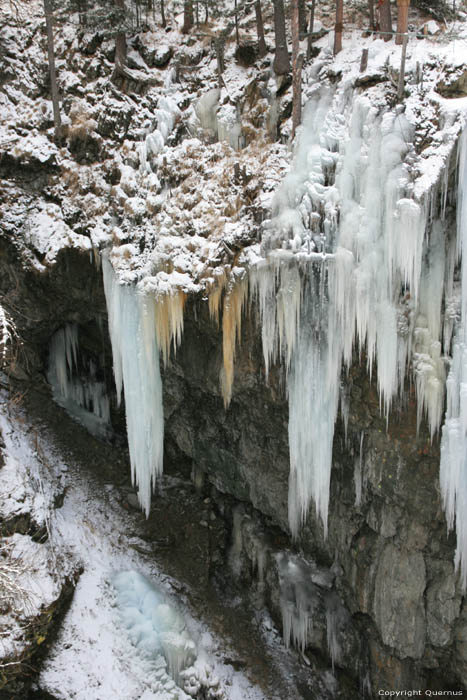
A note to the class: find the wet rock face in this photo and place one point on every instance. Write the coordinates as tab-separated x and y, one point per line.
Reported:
388	561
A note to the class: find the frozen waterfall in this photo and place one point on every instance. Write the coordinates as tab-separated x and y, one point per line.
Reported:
362	264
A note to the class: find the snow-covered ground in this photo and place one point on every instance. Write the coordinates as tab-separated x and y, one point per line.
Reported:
126	617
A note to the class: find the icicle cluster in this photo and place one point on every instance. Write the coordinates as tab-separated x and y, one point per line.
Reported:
82	396
453	466
132	328
143	322
343	270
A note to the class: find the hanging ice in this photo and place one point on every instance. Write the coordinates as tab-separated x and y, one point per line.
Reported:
132	328
349	232
75	387
453	466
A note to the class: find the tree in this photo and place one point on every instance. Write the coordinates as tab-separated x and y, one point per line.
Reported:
309	43
371	12
302	18
188	17
52	71
281	64
402	19
385	19
297	63
338	26
262	48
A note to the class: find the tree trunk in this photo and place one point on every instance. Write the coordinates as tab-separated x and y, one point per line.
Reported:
163	21
281	63
262	48
310	31
237	37
402	19
206	12
338	26
188	18
302	18
385	19
371	12
220	46
52	71
297	62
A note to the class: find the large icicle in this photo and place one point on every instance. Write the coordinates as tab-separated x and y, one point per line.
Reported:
453	465
132	328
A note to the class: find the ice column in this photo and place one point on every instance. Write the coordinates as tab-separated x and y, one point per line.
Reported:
453	465
132	328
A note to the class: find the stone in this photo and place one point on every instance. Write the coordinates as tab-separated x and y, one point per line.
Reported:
398	601
443	605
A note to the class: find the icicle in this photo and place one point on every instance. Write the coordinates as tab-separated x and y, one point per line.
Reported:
234	301
132	328
168	310
215	294
313	386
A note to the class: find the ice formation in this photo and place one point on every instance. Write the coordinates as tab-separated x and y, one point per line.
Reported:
78	391
358	262
154	627
165	115
135	350
223	122
453	465
298	599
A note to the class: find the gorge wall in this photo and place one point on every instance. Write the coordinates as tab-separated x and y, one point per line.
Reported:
379	597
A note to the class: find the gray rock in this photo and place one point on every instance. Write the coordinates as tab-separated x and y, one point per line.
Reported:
443	606
398	603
